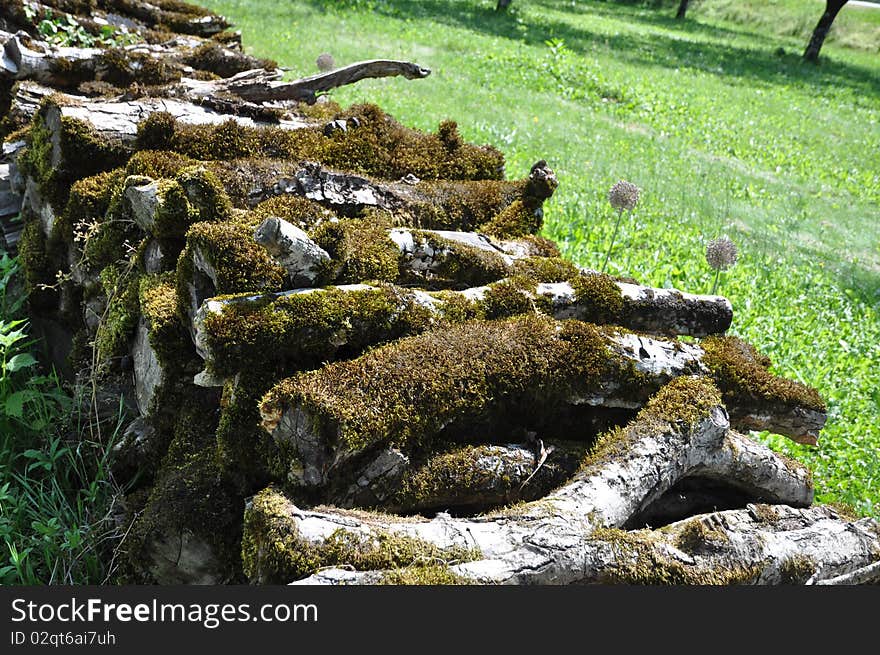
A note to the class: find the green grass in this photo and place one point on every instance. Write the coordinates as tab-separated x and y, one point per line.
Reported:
57	493
855	26
725	134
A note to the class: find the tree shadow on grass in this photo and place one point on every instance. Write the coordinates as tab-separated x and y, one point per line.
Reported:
671	49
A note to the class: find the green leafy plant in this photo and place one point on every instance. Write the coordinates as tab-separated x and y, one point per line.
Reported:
66	30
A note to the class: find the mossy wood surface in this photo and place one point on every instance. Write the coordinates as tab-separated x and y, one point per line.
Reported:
347	353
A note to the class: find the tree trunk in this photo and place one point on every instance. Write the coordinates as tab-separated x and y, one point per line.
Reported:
682	9
576	534
673	313
258	89
469	478
832	8
310	415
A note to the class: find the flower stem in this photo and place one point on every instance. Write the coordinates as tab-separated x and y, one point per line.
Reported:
715	286
613	237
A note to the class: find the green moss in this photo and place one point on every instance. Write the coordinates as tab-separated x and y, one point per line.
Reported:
406	392
240	264
121	287
359	251
546	269
517	219
32	255
423	575
274	552
302	212
639	562
679	406
459	476
299	331
456	308
466	206
157	163
599	297
372	143
195	195
797	569
89	201
745	379
83	153
508	298
244	451
190	493
112	237
168	337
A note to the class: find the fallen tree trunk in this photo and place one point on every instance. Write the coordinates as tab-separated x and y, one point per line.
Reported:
572	535
326	418
258	88
263	318
505	209
65	67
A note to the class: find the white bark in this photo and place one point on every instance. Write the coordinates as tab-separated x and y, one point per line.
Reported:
563	538
553	540
292	249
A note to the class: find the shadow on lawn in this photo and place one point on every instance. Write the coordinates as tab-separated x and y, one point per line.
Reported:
708	53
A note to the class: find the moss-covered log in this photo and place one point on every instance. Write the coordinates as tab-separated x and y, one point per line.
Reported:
360	139
154	65
290	318
411	391
504	209
464	478
562	538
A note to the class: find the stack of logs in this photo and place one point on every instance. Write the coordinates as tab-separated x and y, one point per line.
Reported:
347	356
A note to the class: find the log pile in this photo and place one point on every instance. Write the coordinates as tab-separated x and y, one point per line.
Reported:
348	356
